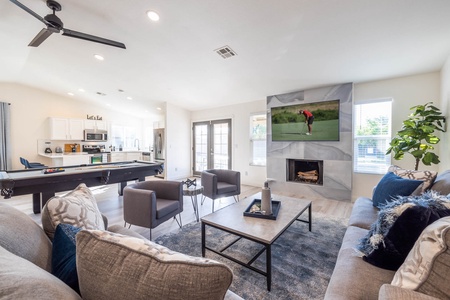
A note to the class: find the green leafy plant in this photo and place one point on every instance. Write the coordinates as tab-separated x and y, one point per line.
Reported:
417	135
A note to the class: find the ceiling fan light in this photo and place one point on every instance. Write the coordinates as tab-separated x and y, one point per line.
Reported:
153	15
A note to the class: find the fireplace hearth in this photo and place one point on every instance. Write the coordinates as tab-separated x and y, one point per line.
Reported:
304	171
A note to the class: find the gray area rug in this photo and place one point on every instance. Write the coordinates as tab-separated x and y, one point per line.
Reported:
302	261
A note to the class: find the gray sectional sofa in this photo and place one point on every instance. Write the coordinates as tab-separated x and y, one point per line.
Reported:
113	264
353	278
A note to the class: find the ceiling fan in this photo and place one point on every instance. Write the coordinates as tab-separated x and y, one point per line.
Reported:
55	25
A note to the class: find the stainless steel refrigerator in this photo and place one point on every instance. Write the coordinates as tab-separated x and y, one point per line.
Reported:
159	148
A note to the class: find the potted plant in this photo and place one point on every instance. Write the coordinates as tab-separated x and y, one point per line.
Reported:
417	135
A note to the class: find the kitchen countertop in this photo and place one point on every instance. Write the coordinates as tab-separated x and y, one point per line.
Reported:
60	155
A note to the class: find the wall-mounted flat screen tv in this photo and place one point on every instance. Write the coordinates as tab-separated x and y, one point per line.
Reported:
317	121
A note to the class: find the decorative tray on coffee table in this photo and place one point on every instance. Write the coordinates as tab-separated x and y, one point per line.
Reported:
254	210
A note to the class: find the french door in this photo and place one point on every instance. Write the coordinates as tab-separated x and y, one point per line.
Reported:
212	145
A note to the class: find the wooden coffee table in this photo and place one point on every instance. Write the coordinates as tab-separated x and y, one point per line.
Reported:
262	231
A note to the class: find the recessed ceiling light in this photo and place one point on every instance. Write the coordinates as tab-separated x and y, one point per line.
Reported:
70	94
107	104
158	108
81	90
153	16
129	98
99	57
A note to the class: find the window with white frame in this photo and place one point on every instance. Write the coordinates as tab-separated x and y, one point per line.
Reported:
258	139
372	135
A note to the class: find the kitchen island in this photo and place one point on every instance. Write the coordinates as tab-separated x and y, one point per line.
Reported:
43	185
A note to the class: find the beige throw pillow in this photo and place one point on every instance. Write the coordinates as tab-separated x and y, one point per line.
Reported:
114	266
426	268
427	177
77	208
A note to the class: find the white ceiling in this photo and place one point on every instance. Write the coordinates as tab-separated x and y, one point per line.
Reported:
282	46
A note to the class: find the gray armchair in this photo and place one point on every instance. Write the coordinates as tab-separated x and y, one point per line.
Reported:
221	183
150	203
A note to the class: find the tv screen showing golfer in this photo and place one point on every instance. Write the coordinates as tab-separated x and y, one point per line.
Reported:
317	121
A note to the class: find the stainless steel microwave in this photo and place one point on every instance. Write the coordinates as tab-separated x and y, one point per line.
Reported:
91	135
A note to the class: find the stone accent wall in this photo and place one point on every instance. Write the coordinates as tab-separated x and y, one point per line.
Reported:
337	156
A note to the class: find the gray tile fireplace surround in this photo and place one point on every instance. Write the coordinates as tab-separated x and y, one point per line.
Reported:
337	156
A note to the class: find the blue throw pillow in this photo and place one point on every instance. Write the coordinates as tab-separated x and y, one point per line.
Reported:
391	186
64	255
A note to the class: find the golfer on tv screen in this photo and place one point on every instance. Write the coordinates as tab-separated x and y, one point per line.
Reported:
309	119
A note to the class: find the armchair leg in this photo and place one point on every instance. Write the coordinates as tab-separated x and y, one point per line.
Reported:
180	223
150	234
125	225
212	205
236	198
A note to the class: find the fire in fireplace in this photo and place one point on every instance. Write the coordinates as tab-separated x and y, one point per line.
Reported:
305	171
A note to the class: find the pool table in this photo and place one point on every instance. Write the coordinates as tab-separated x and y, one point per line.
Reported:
44	185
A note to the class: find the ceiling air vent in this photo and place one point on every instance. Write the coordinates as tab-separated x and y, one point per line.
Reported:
226	52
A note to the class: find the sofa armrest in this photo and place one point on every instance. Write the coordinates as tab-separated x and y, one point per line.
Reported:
390	292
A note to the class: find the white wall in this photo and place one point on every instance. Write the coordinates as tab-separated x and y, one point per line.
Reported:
406	92
30	108
240	115
445	105
178	140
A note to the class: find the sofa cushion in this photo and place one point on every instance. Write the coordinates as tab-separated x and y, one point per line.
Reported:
363	213
77	208
388	291
21	279
113	266
442	183
426	176
20	235
391	253
64	255
427	269
352	277
391	186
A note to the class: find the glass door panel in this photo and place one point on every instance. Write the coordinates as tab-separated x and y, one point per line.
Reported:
212	145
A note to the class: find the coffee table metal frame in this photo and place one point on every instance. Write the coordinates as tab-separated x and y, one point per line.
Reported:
267	245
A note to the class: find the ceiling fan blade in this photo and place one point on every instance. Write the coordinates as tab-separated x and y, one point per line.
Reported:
42	36
29	11
92	38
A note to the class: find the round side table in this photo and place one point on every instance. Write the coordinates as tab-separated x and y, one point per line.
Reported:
193	191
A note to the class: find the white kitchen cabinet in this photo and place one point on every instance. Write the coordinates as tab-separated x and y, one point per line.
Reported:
118	156
75	159
66	129
133	156
95	124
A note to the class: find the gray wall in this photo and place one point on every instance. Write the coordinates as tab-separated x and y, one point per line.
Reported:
337	156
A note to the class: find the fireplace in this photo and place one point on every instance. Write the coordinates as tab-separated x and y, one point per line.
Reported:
304	171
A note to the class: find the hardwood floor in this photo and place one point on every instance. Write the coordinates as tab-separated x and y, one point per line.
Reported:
110	204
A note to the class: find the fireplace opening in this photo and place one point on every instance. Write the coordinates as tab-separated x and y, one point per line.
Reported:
305	171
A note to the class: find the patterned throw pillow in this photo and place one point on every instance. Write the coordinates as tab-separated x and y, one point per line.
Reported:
141	269
426	267
427	177
77	208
